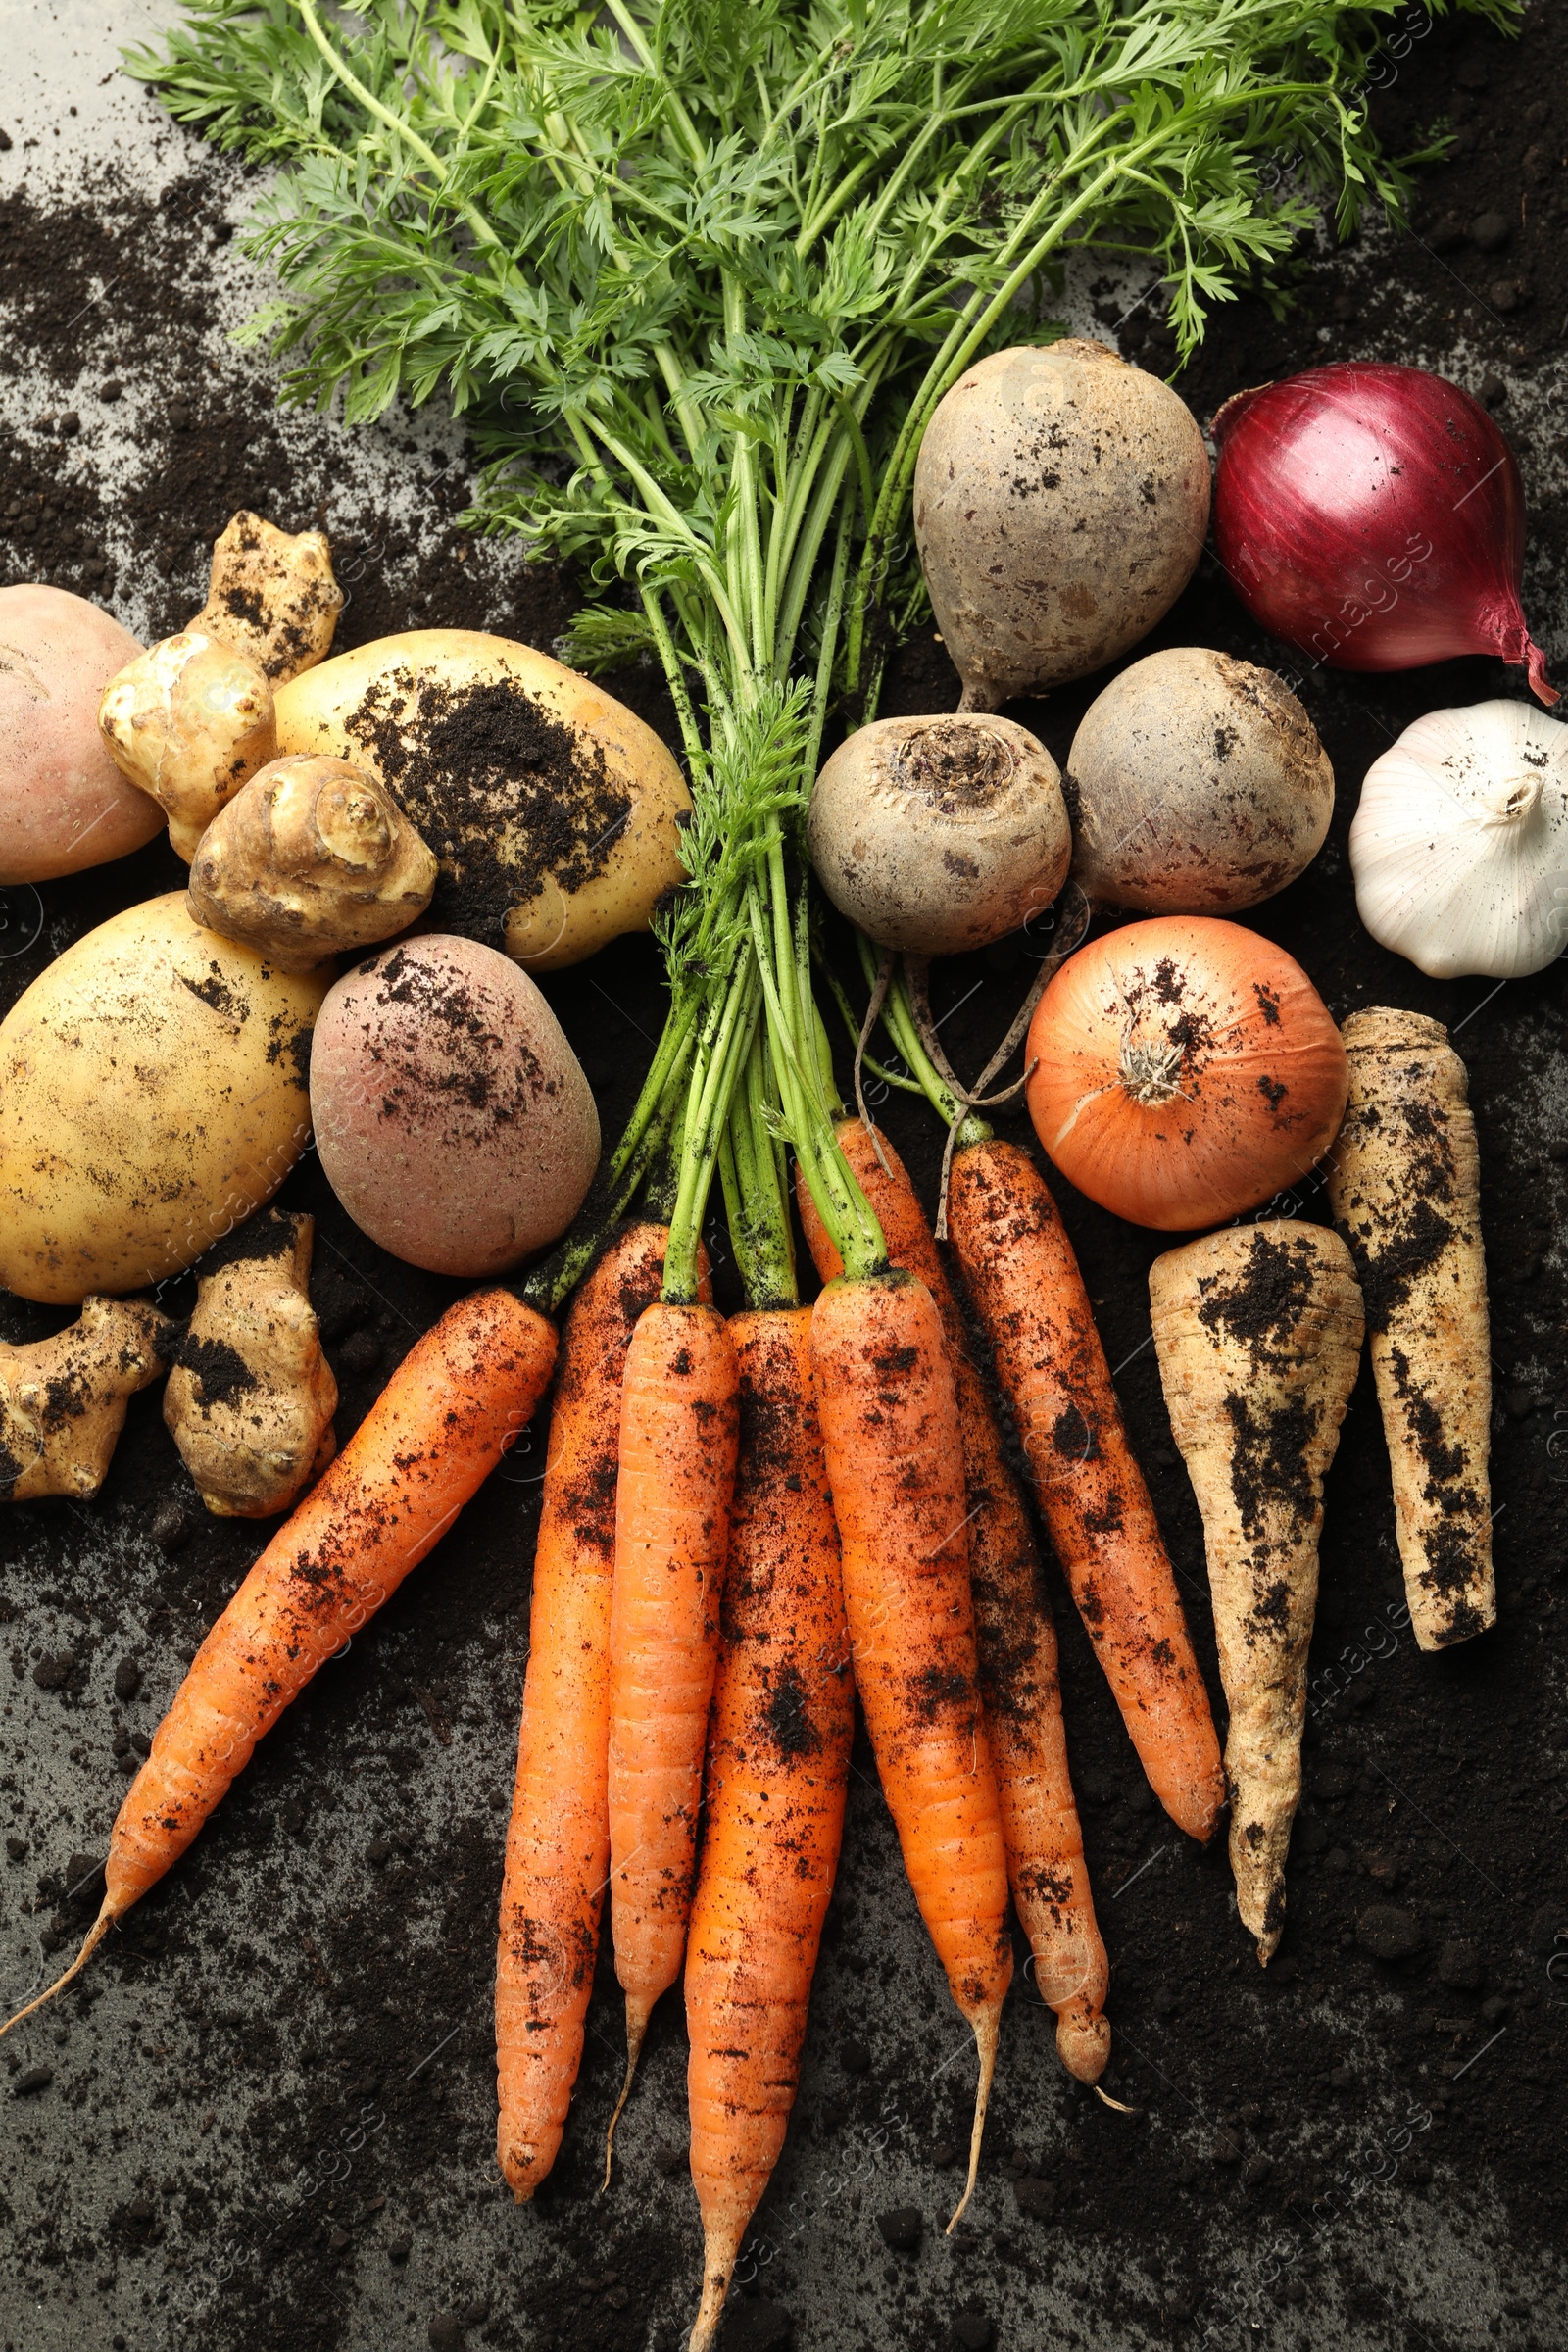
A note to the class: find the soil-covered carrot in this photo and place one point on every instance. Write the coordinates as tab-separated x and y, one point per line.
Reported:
678	1435
895	1458
778	1762
558	1842
1023	1276
1016	1641
435	1433
1404	1181
1259	1334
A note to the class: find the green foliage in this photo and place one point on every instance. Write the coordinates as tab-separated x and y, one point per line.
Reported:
711	257
699	270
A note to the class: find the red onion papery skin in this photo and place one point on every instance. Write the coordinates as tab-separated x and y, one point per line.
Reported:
1373	515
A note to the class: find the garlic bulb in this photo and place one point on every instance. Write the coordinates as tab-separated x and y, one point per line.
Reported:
1459	847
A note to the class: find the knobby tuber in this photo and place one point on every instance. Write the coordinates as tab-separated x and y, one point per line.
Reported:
271	596
1259	1334
313	859
251	1397
1404	1181
189	721
63	1399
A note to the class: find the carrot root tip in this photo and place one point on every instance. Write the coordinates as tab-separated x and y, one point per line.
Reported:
1121	2107
986	2031
710	2311
95	1936
637	2015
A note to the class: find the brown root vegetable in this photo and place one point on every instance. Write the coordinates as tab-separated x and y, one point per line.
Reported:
251	1397
63	1399
1404	1181
188	722
312	858
271	596
1060	501
64	805
1198	786
1259	1334
938	835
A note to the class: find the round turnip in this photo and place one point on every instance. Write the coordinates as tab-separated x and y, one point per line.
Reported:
1198	786
937	835
1060	501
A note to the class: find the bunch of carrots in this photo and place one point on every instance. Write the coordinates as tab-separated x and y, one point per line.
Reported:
743	1523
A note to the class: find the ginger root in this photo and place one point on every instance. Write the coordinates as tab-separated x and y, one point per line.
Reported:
1404	1182
251	1397
1259	1334
271	596
313	859
63	1399
188	722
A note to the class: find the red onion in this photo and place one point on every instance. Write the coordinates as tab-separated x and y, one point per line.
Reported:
1374	517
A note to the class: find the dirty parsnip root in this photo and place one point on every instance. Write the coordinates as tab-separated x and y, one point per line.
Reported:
1259	1334
1405	1179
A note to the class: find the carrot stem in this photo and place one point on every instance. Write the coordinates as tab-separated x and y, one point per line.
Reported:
755	1200
721	1057
897	1019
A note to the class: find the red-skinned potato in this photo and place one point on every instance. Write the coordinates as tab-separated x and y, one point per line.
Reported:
64	805
453	1120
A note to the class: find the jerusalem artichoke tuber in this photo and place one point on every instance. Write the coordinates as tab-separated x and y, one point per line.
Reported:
313	859
188	722
251	1397
271	596
63	1399
1259	1334
1404	1181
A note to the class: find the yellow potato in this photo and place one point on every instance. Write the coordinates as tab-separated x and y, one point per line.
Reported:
554	810
152	1095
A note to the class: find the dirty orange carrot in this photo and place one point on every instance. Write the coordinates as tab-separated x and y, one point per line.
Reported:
778	1763
1020	1685
1022	1274
678	1435
437	1429
558	1841
895	1458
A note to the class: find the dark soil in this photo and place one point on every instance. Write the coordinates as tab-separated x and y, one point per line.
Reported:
1429	1873
505	793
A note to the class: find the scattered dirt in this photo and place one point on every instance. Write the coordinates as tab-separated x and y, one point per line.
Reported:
1436	1779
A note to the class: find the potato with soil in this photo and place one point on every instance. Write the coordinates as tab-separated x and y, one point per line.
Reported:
454	1120
1061	501
1198	786
939	835
554	811
64	805
152	1097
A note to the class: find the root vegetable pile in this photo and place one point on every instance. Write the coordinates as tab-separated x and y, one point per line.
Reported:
762	285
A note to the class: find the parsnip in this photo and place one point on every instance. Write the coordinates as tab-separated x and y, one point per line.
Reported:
1405	1183
1259	1334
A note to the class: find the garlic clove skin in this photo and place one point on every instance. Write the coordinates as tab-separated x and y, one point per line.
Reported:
1459	847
